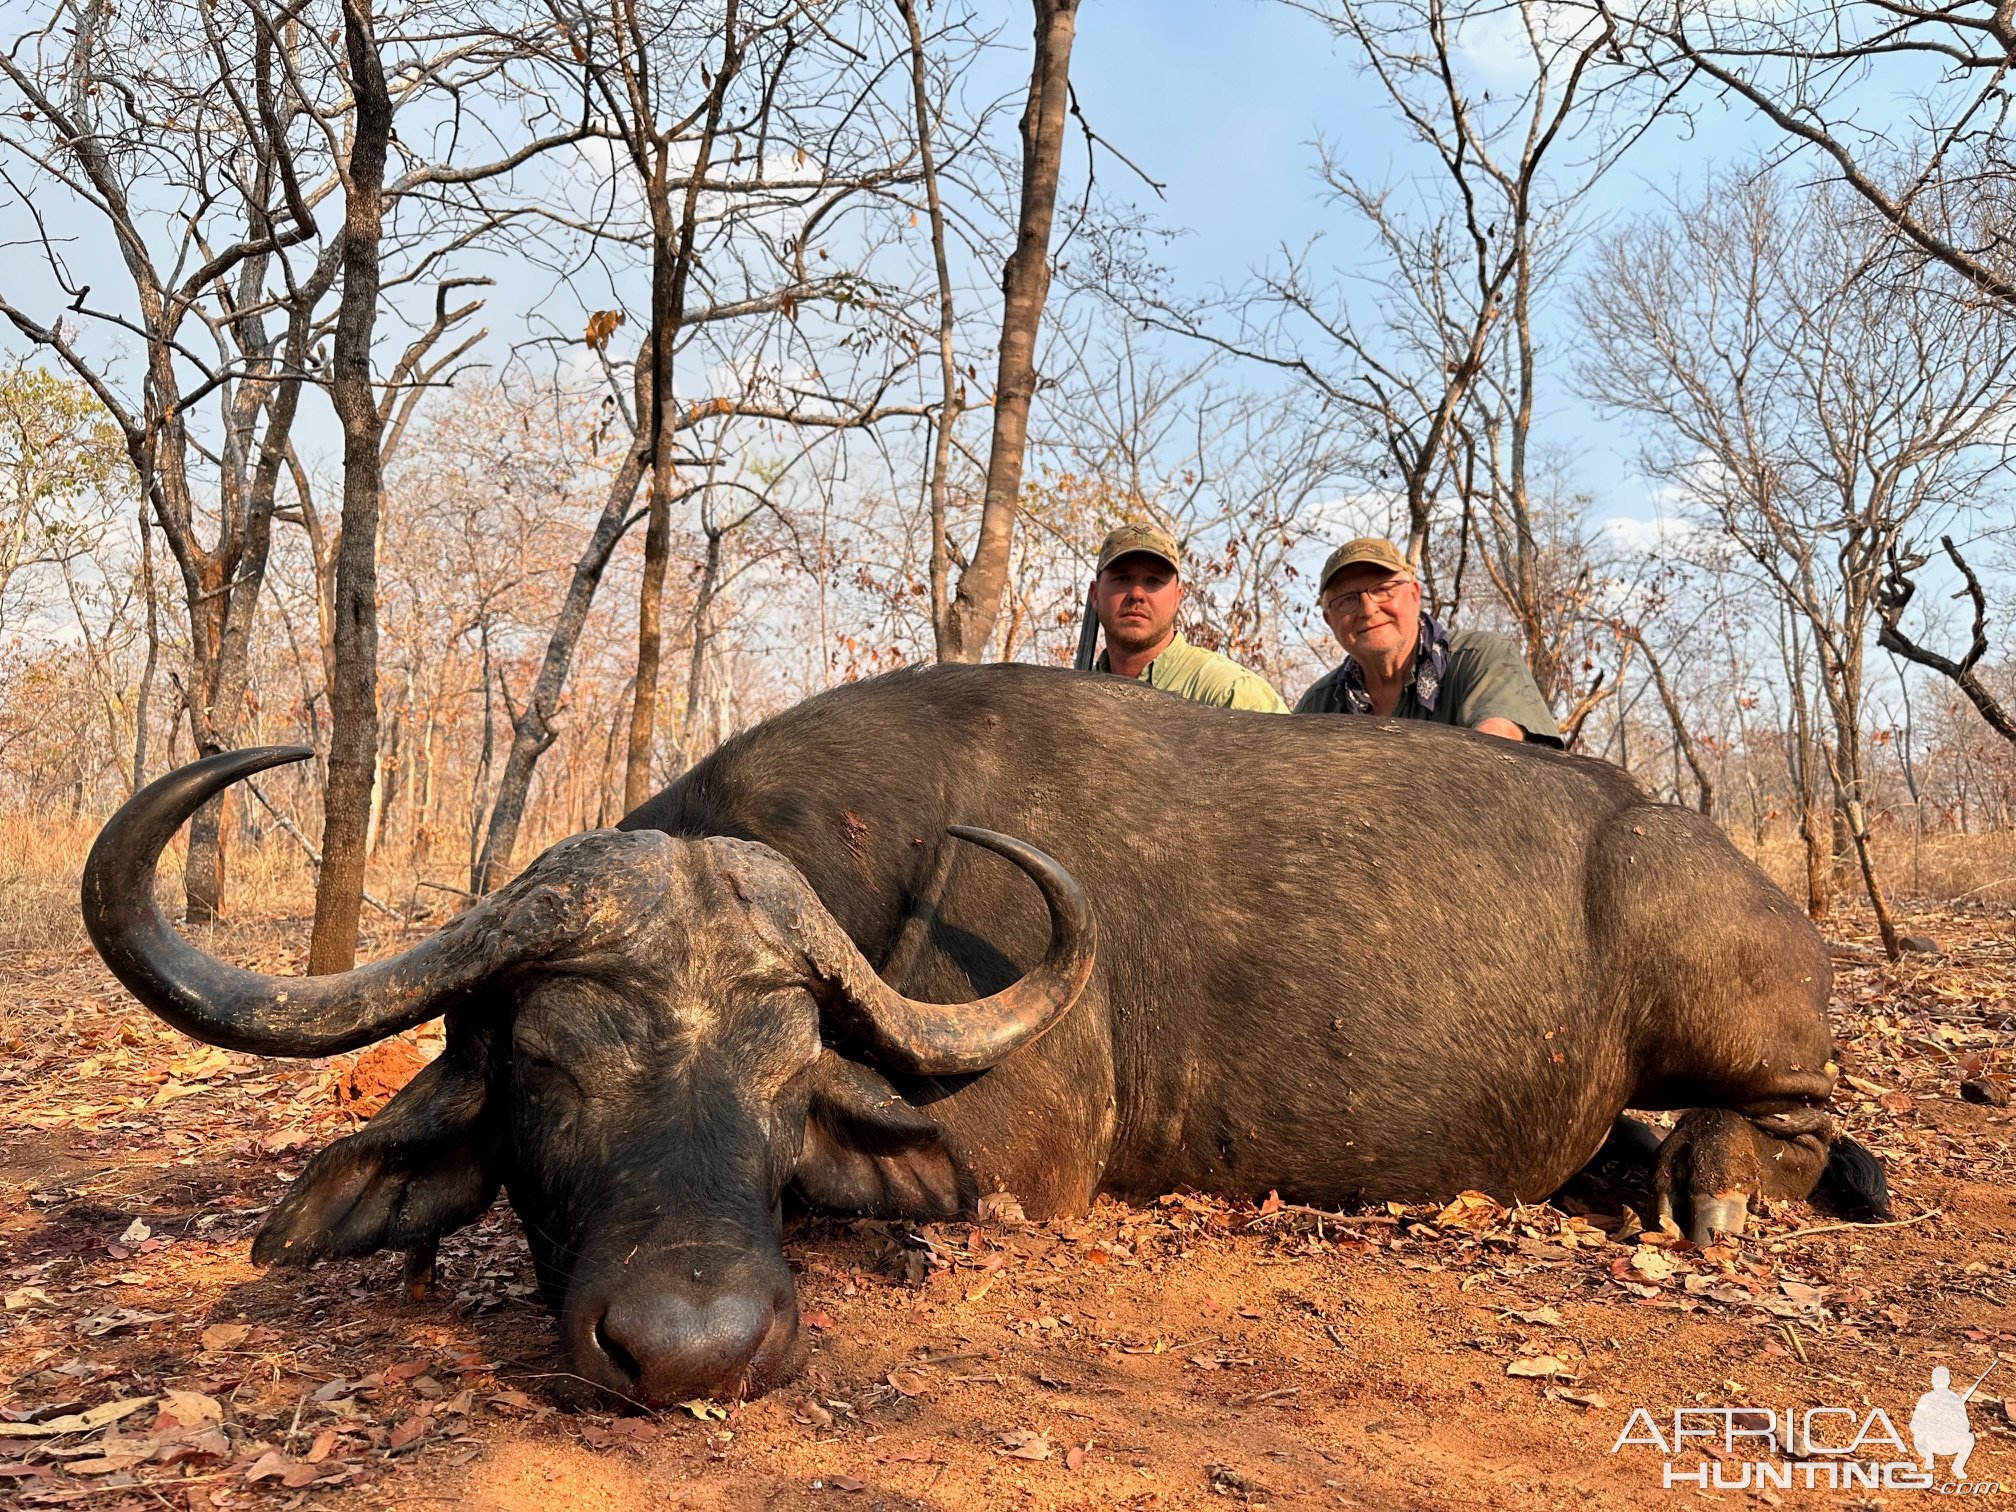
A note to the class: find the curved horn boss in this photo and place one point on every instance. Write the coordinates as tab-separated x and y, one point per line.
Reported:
269	1015
949	1039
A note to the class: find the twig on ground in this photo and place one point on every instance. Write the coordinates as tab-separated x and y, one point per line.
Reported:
1831	1228
1376	1220
947	1359
1266	1396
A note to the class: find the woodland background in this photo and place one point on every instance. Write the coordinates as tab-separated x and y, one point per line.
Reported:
513	400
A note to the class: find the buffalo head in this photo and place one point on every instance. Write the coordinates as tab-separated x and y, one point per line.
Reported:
639	1049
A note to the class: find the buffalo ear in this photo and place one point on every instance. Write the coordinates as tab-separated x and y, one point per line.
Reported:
868	1151
427	1163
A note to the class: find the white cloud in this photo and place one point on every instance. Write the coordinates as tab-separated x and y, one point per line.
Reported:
1662	535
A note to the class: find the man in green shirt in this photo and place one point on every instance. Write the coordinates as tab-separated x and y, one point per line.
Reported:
1399	663
1136	590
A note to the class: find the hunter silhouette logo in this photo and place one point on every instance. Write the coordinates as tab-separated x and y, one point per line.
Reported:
1939	1422
1816	1448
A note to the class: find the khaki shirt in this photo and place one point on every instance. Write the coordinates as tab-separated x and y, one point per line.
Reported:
1486	678
1206	677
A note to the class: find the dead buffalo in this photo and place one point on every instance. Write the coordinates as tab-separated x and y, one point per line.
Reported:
1337	958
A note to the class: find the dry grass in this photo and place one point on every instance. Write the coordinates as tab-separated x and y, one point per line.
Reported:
1945	868
42	864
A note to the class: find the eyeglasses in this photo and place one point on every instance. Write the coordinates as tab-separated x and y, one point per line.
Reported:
1351	603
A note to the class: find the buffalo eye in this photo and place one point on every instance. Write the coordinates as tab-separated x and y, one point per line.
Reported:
541	1073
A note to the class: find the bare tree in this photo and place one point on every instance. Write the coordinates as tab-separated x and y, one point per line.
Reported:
1827	73
966	621
203	114
1898	589
1812	413
203	139
353	685
1440	380
738	175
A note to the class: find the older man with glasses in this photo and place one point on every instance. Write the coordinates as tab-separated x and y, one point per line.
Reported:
1400	664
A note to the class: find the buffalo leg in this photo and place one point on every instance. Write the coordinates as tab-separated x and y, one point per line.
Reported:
1717	1160
417	1274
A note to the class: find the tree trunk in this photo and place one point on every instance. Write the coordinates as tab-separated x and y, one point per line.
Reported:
143	704
1683	740
533	732
1025	284
696	666
353	695
950	393
1803	752
671	261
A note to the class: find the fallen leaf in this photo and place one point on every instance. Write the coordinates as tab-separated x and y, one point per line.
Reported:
1652	1264
909	1382
106	1464
325	1443
1471	1210
222	1336
1000	1207
101	1324
1537	1365
1026	1443
846	1483
411	1431
191	1409
818	1320
23	1298
1074	1457
638	1430
211	1443
1540	1317
81	1422
703	1409
406	1370
136	1232
1583	1399
269	1466
813	1415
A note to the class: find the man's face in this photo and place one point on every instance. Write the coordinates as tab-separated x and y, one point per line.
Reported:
1374	613
1136	598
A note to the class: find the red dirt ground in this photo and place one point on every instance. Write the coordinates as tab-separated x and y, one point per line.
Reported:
1185	1354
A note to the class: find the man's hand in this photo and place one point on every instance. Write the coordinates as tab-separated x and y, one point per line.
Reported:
1503	728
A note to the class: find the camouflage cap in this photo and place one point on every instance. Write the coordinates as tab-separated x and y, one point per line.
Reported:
1366	551
1140	536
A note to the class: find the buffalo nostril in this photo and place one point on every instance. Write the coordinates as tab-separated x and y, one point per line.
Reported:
673	1345
614	1352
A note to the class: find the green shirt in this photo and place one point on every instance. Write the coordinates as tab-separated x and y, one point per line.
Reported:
1486	678
1206	677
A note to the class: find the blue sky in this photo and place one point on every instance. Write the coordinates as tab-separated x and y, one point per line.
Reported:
1223	99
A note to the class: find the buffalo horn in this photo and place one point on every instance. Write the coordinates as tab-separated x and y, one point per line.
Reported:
246	1010
950	1039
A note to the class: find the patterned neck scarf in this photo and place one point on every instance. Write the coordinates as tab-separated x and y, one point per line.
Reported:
1431	660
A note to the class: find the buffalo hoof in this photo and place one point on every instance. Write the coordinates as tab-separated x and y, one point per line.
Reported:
1716	1161
1708	1218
